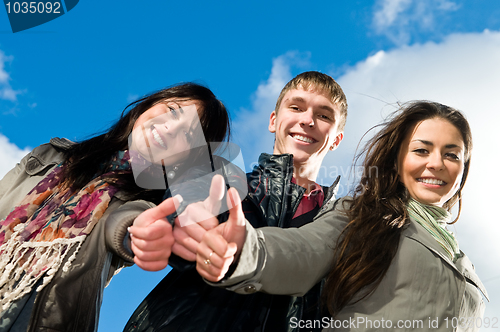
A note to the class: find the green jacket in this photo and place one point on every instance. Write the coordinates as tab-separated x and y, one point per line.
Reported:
422	290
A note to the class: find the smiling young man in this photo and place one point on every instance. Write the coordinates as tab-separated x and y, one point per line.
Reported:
308	122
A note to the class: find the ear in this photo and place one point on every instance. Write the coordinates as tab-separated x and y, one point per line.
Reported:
272	122
337	141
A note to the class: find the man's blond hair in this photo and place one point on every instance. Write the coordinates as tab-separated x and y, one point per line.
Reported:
321	83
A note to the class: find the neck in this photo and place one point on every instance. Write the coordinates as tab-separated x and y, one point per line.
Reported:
419	210
305	175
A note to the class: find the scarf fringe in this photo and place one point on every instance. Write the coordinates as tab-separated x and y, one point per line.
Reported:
45	259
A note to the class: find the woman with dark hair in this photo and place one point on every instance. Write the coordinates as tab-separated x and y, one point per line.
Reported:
390	261
63	208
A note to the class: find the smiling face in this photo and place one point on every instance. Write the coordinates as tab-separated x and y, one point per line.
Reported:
431	161
306	126
167	131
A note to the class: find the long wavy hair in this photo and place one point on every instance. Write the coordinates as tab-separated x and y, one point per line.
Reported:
377	210
87	157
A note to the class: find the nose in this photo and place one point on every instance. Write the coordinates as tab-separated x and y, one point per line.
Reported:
435	162
172	125
307	118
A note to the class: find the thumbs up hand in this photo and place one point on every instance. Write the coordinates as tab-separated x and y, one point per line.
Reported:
196	219
151	236
222	245
153	239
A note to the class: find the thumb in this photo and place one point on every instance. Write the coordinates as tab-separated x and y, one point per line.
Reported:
167	207
217	189
235	224
234	230
236	215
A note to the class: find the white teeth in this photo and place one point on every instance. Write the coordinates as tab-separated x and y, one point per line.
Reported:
157	138
303	139
432	181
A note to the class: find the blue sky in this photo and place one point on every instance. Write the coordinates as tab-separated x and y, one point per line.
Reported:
73	76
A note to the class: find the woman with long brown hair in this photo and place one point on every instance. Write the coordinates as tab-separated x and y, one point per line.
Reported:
63	208
389	260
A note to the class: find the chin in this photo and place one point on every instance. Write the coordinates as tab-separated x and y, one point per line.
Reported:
297	158
431	201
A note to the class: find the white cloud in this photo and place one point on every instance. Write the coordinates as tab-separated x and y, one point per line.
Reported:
396	19
6	91
448	5
10	155
463	71
389	11
250	126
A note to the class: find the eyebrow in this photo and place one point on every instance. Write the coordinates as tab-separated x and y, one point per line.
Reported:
447	146
302	100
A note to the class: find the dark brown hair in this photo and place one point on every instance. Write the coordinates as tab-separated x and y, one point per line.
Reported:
87	156
377	210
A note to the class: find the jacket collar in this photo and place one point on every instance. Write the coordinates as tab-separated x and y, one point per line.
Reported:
284	162
279	162
62	143
463	264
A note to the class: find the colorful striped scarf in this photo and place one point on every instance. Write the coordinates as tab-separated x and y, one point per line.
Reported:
50	221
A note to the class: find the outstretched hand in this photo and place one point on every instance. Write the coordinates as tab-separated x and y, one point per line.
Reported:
151	236
196	220
222	245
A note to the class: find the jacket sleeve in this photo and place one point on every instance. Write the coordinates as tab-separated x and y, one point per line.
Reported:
117	236
8	180
271	255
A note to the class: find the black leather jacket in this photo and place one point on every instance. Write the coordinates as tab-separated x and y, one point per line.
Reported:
183	302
